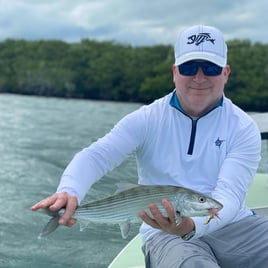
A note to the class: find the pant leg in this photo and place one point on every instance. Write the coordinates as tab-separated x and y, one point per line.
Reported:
169	251
241	244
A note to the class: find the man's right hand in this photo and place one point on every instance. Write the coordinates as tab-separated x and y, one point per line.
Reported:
58	201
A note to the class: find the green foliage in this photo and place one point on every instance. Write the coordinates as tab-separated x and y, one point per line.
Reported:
111	71
248	82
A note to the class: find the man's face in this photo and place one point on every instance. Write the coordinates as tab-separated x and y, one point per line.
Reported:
199	93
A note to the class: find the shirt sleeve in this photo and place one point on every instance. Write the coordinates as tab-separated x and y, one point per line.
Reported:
235	177
93	162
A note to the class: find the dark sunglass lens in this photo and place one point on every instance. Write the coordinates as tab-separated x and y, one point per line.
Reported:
188	68
211	69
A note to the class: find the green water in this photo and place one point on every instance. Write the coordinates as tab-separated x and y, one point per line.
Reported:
38	137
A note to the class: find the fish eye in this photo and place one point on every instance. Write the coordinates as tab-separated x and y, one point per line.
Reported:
202	199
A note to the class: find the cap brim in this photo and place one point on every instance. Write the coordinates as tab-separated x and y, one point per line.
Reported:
201	56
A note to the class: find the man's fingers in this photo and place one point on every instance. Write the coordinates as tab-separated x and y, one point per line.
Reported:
56	202
158	220
70	207
167	224
163	221
47	202
144	216
71	222
60	201
170	210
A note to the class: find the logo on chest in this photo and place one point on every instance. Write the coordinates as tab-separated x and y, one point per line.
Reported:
218	143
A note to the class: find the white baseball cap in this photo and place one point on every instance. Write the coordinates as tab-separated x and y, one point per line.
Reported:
201	43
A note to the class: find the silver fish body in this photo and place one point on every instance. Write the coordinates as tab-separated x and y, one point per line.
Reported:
123	207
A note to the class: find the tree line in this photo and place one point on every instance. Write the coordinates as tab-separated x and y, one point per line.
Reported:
111	71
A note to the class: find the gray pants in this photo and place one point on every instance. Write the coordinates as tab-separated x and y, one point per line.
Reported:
243	244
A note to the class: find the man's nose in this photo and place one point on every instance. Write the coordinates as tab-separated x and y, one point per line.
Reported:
200	74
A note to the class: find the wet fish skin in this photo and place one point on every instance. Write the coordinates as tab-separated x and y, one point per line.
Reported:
124	206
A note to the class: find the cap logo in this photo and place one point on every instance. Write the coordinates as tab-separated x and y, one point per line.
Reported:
200	38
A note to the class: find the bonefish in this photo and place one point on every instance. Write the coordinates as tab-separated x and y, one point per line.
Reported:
124	206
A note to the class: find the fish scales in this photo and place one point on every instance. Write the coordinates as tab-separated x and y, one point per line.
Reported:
125	204
123	207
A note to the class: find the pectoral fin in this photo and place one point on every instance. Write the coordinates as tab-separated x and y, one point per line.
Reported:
83	225
125	228
178	217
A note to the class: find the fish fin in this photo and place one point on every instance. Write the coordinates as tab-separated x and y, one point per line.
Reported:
48	212
83	225
178	217
122	186
125	228
50	227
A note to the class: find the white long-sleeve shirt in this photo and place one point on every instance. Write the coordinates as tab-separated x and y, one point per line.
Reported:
216	154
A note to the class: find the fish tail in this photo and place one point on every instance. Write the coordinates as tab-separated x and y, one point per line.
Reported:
52	224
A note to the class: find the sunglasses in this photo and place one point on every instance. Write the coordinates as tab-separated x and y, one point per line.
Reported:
190	68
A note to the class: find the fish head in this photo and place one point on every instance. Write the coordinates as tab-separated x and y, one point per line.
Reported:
190	204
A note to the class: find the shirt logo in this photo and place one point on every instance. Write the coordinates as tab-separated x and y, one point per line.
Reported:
200	38
219	142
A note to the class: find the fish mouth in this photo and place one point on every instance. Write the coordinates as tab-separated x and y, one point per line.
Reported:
213	210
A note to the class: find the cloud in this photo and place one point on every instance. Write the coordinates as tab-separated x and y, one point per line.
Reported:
136	22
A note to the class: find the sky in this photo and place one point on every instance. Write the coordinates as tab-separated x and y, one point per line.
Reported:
131	22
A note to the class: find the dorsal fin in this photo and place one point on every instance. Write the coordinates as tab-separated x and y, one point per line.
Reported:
123	186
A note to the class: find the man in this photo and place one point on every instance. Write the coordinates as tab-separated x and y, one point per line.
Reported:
193	137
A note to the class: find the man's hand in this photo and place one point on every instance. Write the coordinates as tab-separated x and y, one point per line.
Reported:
167	224
56	202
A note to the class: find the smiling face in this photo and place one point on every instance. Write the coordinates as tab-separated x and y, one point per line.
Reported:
199	93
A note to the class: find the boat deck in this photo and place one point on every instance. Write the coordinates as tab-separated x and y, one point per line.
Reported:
131	256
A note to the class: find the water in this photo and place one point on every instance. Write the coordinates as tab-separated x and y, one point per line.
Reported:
38	138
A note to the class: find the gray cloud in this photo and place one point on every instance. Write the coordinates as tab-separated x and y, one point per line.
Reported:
135	22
